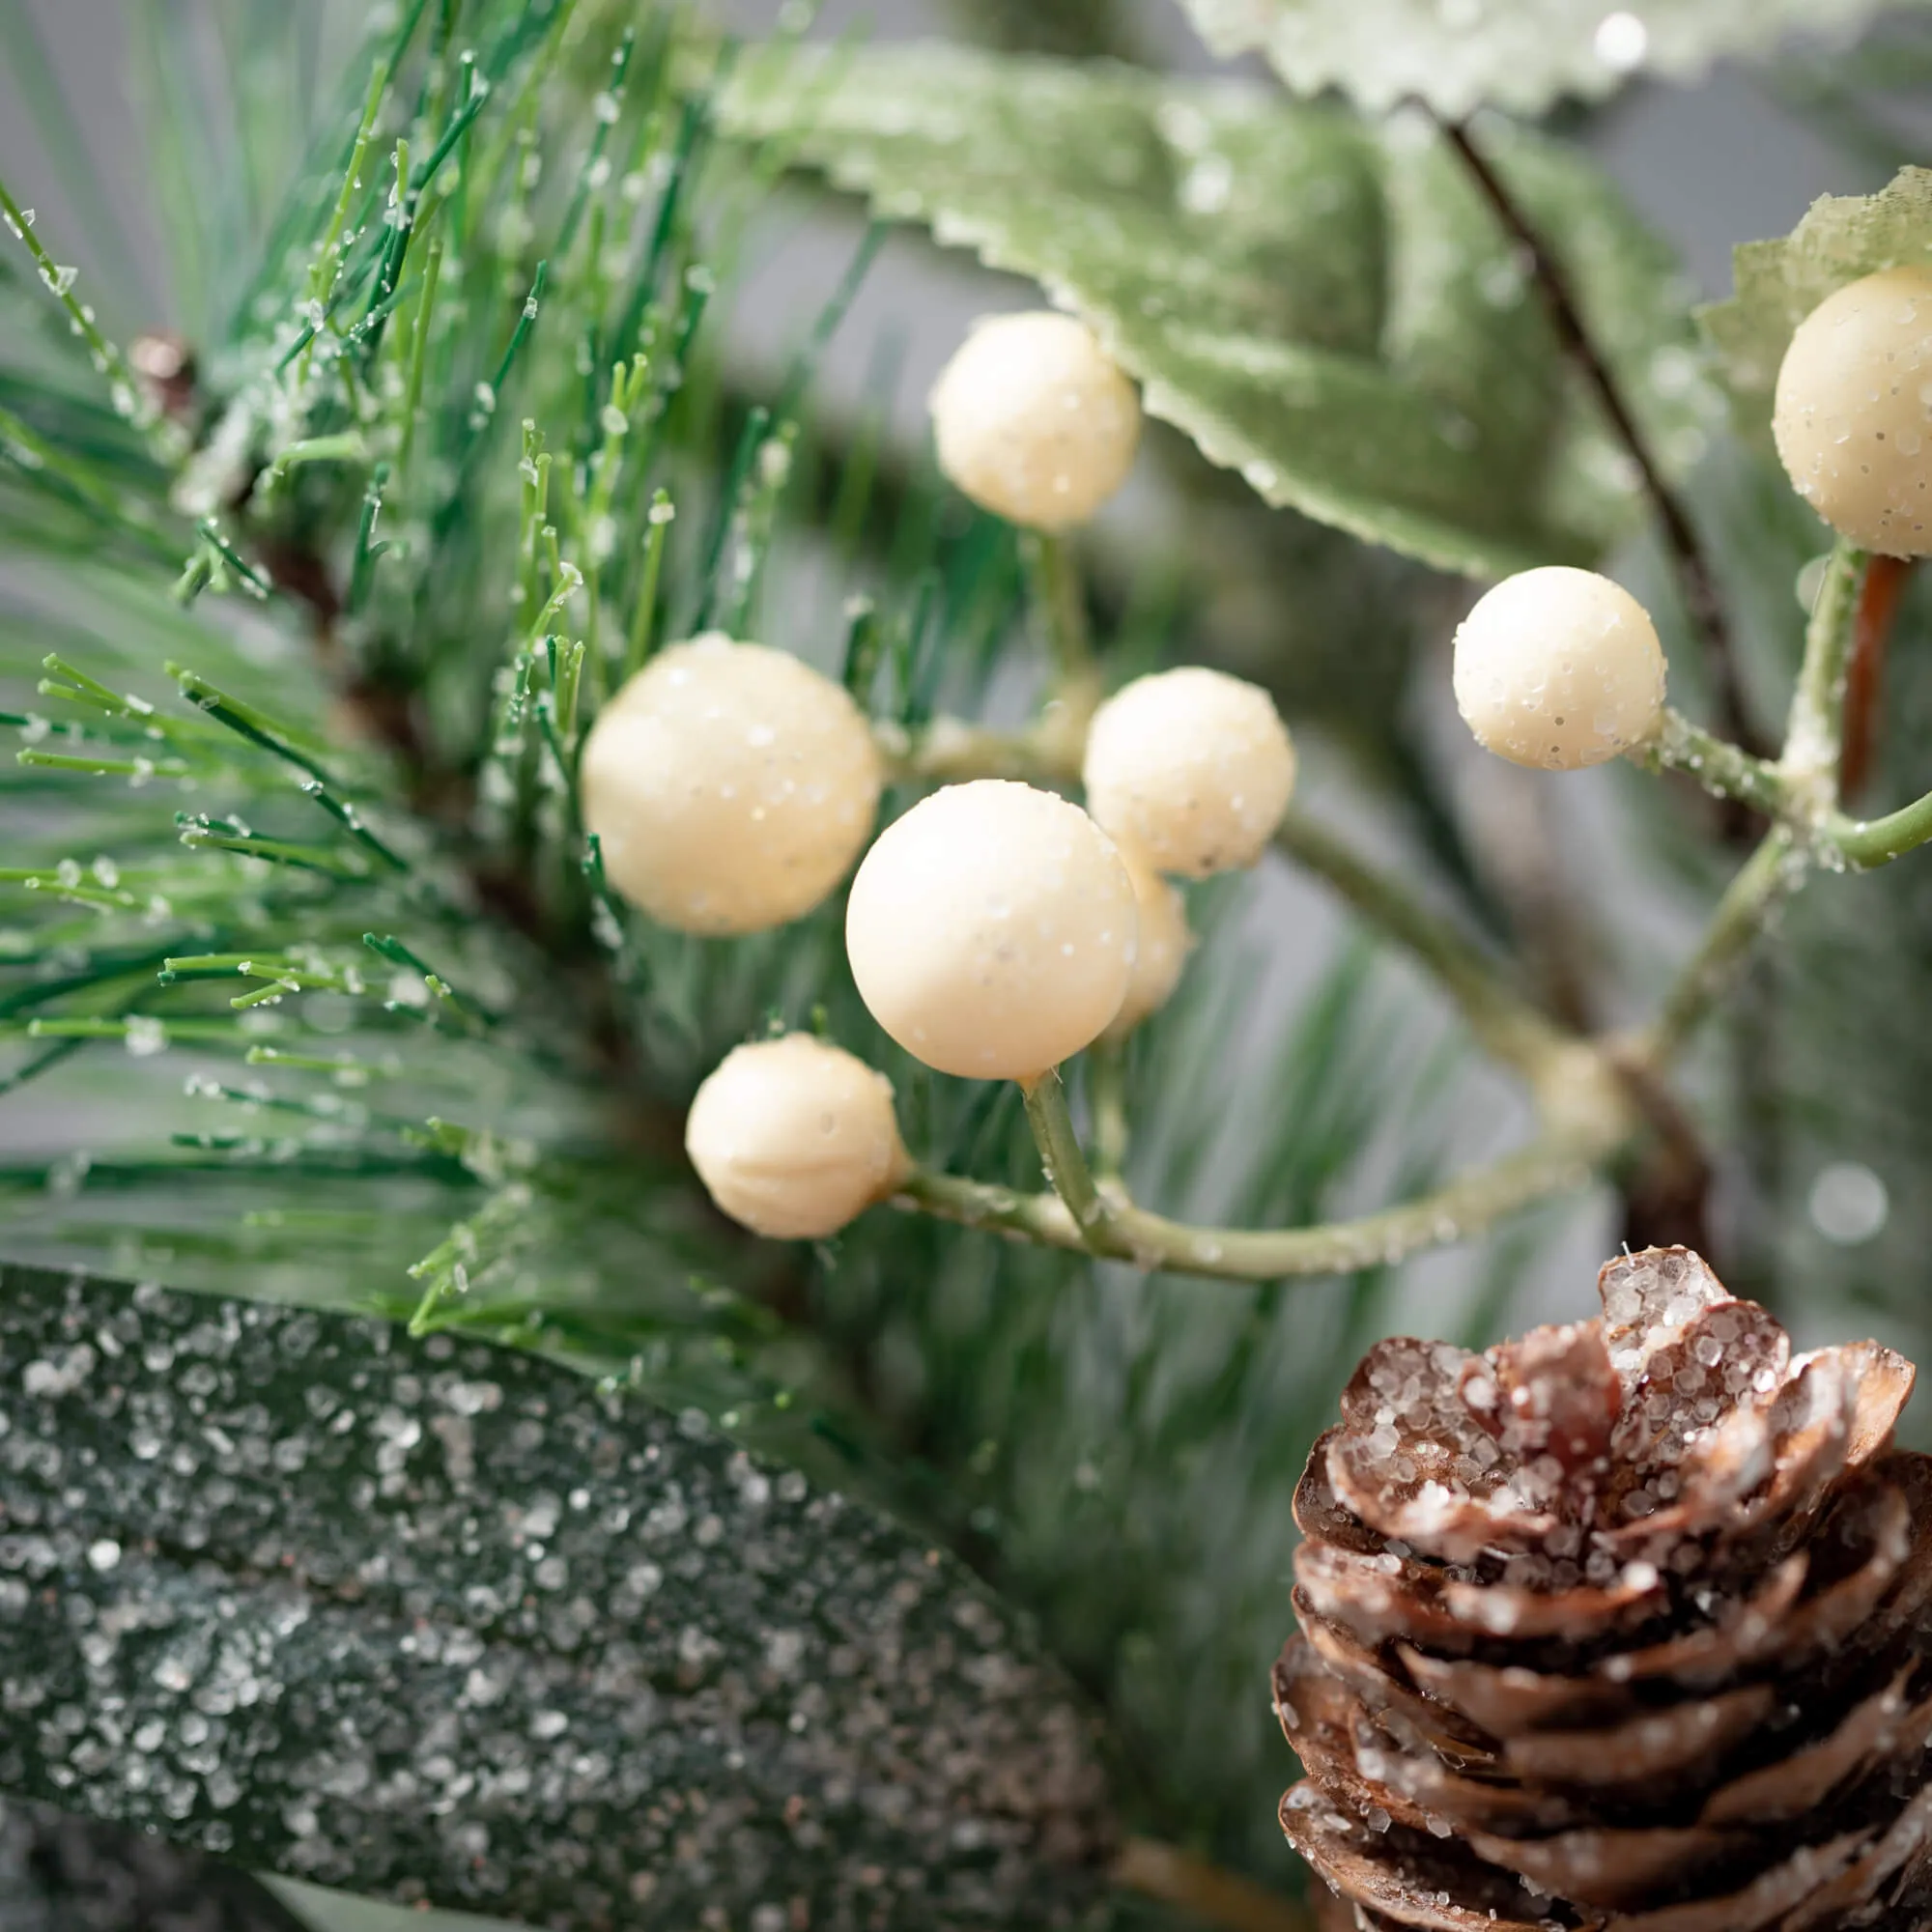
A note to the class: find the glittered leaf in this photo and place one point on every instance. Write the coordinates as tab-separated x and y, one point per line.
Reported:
1327	307
1521	54
432	1621
1777	284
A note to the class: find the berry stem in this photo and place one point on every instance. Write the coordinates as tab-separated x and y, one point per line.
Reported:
949	751
1864	842
1053	573
1107	1097
1774	871
1720	767
1698	581
1814	735
1065	1163
1463	1208
1505	1022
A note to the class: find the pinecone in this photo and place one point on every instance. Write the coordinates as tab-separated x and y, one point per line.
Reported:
1622	1625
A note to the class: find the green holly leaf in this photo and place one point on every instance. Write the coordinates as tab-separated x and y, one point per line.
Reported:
436	1622
1458	55
1776	284
1326	306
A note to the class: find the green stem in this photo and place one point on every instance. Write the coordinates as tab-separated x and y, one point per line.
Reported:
980	1204
1805	795
1060	1151
1053	574
1055	579
1765	877
1716	764
1504	1022
1457	1211
1863	842
1107	1094
1815	730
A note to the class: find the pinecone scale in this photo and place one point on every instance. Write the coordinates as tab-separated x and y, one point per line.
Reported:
1621	1627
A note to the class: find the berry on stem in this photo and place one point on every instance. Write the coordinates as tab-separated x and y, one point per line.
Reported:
1559	669
1162	948
992	930
729	786
1192	768
1854	411
1033	421
794	1137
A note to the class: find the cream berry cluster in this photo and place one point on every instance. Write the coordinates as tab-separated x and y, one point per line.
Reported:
996	928
1562	669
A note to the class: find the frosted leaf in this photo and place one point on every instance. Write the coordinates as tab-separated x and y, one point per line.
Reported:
1325	305
447	1621
1778	283
1519	54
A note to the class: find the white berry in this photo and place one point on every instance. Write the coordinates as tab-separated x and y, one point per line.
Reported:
731	786
1164	942
1033	422
794	1138
1559	669
1854	411
1191	767
992	930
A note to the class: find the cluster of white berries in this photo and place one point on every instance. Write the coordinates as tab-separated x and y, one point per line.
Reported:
994	929
1562	669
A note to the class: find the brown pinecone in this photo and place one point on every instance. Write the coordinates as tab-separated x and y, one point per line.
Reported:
1622	1625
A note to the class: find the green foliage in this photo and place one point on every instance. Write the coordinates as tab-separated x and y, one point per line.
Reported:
313	993
442	1624
1524	55
1779	282
1327	307
306	964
